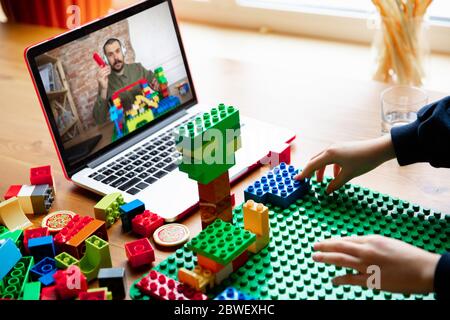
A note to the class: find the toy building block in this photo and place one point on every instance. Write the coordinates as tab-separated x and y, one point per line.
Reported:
222	242
193	138
13	283
140	252
9	256
278	187
233	294
114	279
36	199
32	291
49	293
95	294
70	230
70	283
42	268
241	260
146	223
41	175
209	212
160	287
223	274
209	264
107	209
15	236
12	215
47	280
128	211
65	260
200	278
216	190
256	218
260	243
33	233
97	256
12	192
76	245
41	248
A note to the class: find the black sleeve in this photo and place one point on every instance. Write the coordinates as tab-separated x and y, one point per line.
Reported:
442	278
427	139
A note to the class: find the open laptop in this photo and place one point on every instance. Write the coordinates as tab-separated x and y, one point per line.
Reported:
89	78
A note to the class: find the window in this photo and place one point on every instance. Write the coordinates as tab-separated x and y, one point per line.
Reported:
342	20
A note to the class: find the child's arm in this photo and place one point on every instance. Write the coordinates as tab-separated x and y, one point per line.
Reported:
350	160
425	140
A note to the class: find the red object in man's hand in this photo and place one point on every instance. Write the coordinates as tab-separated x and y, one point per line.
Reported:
99	60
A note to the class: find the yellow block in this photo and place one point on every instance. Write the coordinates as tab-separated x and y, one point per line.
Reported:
256	218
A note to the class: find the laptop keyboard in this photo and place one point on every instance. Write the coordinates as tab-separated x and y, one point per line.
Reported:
143	166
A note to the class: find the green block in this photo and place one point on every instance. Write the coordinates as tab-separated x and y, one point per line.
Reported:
222	242
97	256
285	268
65	260
32	291
107	209
15	236
3	230
222	118
12	285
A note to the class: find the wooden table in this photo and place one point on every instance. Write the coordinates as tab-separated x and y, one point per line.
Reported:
322	110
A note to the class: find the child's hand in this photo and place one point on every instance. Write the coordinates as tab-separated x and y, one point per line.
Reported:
350	160
403	268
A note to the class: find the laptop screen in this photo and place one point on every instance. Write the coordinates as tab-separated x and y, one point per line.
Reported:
114	82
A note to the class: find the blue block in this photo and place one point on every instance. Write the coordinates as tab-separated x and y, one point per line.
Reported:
43	267
278	187
41	248
128	211
9	256
47	280
233	294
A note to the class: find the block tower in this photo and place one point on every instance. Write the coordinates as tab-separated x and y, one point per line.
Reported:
163	83
207	146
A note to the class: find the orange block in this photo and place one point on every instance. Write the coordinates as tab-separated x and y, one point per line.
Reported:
209	264
76	246
256	218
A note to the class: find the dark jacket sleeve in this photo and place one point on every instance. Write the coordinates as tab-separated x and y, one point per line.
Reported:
427	139
442	278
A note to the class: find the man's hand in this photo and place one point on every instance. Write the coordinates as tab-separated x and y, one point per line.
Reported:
102	78
404	268
350	160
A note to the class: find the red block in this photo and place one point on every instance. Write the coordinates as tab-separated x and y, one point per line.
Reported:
240	261
146	223
12	192
70	283
41	175
34	233
97	295
161	287
49	293
73	227
140	252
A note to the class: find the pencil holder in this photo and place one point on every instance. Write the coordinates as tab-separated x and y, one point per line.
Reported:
401	50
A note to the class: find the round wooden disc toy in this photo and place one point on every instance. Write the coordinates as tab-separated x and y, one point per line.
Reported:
56	221
171	235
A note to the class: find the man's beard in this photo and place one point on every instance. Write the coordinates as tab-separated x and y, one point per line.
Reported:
121	66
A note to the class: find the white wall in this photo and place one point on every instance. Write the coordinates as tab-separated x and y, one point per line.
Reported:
155	42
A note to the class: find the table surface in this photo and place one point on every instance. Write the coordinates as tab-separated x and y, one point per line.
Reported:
321	110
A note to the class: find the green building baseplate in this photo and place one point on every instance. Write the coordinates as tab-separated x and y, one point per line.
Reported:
285	269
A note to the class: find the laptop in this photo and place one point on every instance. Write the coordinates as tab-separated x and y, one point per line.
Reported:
109	72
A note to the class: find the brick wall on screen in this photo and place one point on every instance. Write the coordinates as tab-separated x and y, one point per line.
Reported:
81	69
